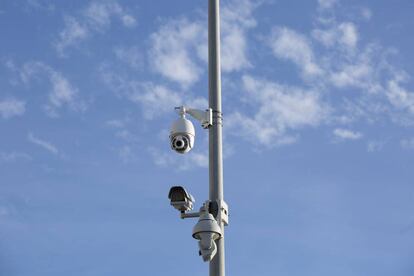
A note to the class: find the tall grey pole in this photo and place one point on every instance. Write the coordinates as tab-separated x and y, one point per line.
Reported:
217	265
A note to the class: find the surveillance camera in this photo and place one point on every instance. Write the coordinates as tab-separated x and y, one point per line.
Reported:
182	135
181	199
207	231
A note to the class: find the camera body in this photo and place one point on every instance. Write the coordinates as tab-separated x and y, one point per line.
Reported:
207	231
182	135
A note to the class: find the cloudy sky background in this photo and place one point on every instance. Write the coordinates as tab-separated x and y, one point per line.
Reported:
318	101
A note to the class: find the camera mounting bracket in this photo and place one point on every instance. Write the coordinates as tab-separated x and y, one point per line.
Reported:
219	209
204	117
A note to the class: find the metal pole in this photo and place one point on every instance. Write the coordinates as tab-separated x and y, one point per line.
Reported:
217	265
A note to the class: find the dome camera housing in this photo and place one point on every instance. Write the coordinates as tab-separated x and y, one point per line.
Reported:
207	231
182	135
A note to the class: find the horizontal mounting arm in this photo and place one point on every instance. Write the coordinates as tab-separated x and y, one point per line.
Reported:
189	215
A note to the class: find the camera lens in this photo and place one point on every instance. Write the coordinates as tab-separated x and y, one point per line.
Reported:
179	144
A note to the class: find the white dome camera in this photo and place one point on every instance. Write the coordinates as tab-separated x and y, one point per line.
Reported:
207	231
182	135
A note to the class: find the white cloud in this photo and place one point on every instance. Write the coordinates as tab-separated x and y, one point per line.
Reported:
407	143
327	4
280	109
347	134
128	20
399	96
99	14
62	92
43	144
370	86
173	48
95	18
288	44
353	75
349	34
348	65
179	45
237	19
129	135
326	37
234	51
155	99
343	34
71	35
11	107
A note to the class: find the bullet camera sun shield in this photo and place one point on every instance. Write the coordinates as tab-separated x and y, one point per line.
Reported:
181	199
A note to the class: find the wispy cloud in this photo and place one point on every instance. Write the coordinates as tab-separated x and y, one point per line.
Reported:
347	134
291	45
399	96
327	4
95	18
237	20
280	109
344	34
123	130
42	143
99	14
11	107
173	48
334	57
73	33
62	92
155	99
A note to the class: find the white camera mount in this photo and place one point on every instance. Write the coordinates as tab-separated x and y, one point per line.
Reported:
204	117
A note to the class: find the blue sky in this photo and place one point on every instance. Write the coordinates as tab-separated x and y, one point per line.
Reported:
318	99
